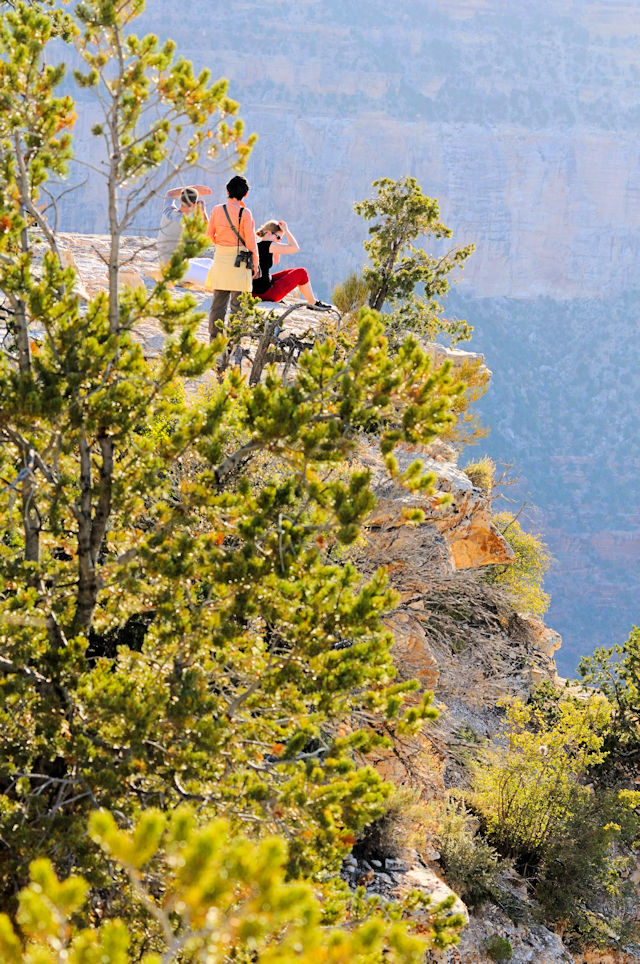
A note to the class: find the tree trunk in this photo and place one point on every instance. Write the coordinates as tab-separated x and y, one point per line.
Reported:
260	358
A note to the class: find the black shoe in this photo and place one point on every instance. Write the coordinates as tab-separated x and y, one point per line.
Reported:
321	306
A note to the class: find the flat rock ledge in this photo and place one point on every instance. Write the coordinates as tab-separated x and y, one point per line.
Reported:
88	255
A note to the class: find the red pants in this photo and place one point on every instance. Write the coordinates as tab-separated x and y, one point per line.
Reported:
282	282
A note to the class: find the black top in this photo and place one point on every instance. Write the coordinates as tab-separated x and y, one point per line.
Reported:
261	284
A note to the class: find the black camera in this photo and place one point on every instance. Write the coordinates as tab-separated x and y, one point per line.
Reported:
244	258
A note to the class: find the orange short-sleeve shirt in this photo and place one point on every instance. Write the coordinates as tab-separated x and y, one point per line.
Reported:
220	232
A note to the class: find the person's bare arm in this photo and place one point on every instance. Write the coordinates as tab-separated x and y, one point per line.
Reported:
280	247
250	240
211	227
200	188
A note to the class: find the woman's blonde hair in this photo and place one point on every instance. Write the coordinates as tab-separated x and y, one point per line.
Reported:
272	227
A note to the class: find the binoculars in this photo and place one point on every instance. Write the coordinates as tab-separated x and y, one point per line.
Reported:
244	257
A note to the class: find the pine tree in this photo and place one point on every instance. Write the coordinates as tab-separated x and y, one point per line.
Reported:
173	628
230	895
401	214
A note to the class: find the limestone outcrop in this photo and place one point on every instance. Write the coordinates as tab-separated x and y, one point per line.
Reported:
463	517
86	253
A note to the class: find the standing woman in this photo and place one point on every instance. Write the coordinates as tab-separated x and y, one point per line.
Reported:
231	228
273	287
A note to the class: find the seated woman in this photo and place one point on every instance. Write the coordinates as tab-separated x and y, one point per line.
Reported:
273	287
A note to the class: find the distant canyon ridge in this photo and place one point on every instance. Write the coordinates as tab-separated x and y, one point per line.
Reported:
523	121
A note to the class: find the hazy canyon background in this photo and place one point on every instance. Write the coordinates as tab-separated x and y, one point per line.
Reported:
523	120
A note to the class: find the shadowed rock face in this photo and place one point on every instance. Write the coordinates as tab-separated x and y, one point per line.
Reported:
451	631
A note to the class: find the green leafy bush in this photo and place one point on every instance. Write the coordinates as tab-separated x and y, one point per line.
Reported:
527	790
537	807
523	578
616	673
498	948
426	319
584	879
401	214
470	863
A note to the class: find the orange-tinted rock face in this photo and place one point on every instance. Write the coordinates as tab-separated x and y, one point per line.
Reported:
469	538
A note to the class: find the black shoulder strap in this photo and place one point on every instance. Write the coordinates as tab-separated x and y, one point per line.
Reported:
233	227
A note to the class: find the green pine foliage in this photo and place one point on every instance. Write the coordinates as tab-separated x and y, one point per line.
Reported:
213	895
172	628
401	214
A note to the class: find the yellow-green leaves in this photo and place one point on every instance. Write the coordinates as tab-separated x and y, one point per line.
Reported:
152	81
523	578
47	902
132	850
223	895
34	124
10	946
529	790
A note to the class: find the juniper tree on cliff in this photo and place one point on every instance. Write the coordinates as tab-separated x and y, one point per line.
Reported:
172	627
401	214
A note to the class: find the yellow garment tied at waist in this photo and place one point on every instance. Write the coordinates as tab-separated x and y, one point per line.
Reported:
223	274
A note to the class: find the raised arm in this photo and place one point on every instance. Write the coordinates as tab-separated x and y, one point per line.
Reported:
291	246
202	189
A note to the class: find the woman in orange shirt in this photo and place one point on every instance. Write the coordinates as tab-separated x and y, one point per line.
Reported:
232	230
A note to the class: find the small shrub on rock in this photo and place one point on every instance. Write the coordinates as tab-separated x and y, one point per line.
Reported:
537	807
498	948
481	474
351	295
523	578
469	862
399	830
528	788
